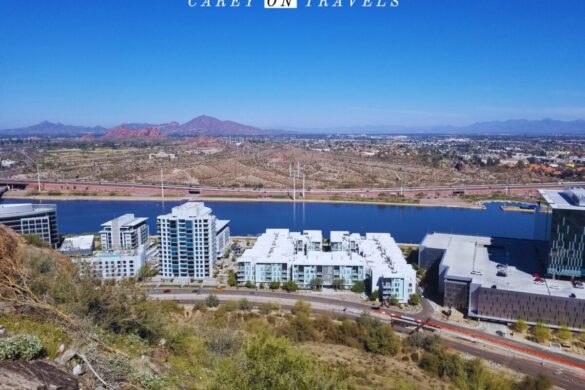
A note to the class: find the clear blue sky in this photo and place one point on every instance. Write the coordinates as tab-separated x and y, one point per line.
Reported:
424	62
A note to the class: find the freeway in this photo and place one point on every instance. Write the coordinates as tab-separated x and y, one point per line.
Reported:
565	370
157	186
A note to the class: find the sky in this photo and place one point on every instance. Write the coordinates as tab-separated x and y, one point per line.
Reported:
425	62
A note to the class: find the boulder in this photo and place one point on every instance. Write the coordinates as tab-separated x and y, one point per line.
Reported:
35	375
78	370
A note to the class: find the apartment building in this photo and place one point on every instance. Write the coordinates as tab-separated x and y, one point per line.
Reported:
189	242
32	219
124	233
112	265
280	255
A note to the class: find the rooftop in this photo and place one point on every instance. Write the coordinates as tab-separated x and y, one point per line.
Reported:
125	220
189	210
567	199
17	209
77	243
506	263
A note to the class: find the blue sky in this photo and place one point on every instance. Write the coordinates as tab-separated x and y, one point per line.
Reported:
425	62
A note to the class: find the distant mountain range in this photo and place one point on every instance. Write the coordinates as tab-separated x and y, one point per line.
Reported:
508	127
210	126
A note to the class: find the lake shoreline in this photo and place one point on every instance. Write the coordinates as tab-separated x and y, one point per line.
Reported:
131	198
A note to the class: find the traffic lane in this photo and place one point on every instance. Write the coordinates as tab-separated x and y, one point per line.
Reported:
566	379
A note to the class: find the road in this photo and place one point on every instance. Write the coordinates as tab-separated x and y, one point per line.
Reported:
273	191
566	371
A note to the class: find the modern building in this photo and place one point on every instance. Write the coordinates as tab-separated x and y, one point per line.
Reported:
112	265
222	236
32	219
124	233
281	255
501	279
565	230
188	244
77	246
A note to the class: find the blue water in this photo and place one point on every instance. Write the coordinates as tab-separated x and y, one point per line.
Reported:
407	224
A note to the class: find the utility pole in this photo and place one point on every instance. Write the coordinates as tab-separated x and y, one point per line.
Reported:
303	186
294	189
162	183
39	177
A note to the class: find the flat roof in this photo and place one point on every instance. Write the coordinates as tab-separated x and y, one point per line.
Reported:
84	242
376	251
189	210
18	209
125	220
476	259
567	199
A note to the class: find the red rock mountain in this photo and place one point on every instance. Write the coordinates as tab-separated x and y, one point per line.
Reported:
123	132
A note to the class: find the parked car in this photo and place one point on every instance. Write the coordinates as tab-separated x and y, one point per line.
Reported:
166	290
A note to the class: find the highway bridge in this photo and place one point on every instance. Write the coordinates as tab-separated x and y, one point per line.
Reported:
203	190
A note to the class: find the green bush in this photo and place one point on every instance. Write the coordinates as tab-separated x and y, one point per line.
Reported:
232	279
200	306
275	285
414	299
249	284
541	333
244	304
519	326
268	307
358	287
393	301
301	308
290	286
375	295
212	301
23	347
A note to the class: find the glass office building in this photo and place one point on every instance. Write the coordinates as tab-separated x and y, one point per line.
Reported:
565	212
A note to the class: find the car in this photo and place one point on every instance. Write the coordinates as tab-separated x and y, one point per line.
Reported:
166	290
501	333
572	295
578	284
195	290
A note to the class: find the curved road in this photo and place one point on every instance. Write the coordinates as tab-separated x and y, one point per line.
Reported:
566	371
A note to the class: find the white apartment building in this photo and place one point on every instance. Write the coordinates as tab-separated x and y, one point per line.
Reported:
32	219
112	265
280	255
124	233
189	244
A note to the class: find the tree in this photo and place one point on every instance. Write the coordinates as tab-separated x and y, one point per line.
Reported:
232	279
261	286
212	301
393	301
358	287
290	286
274	285
244	304
414	299
316	283
541	333
563	333
146	271
338	283
374	296
249	284
519	326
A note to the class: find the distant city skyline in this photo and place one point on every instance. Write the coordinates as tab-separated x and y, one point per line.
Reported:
423	63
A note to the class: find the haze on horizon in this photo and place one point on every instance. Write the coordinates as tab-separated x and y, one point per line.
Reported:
424	63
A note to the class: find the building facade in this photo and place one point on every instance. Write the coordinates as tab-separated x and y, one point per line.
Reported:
32	219
566	213
112	265
124	233
188	244
306	259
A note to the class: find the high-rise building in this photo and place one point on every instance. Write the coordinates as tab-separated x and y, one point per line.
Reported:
32	219
125	232
189	244
565	231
